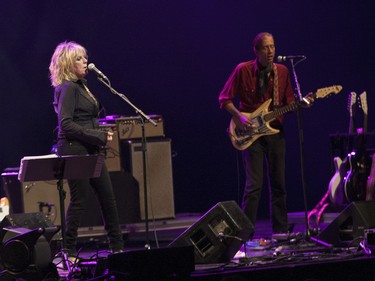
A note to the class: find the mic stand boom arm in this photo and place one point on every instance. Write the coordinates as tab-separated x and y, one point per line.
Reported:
137	110
144	149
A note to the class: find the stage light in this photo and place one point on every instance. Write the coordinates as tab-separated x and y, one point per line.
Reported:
25	251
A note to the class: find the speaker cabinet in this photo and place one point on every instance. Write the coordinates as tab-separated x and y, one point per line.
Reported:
113	152
12	189
31	197
160	197
43	196
349	225
218	234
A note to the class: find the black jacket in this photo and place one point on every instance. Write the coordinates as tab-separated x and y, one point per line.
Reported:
78	114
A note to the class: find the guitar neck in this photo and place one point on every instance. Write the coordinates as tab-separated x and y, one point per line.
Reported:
365	123
280	111
351	125
320	93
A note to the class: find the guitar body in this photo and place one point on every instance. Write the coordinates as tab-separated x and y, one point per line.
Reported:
242	139
4	208
335	188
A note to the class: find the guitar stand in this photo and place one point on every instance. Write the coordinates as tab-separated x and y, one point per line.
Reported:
53	167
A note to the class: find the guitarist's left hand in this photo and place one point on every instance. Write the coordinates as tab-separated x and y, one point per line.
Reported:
308	100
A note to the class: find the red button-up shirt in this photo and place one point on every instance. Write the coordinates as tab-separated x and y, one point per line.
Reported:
242	83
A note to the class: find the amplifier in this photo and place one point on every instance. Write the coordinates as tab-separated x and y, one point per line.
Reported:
34	196
131	127
160	176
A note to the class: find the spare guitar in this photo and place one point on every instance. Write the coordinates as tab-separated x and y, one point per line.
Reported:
359	162
242	139
335	193
335	187
4	208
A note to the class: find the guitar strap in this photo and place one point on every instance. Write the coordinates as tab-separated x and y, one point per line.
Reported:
263	78
276	98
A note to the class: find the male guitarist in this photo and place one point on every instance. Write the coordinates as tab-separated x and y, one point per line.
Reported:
254	82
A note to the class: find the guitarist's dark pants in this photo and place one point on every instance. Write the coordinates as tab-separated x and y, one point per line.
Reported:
268	150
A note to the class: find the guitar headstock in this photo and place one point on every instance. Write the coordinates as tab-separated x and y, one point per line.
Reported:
351	103
363	102
327	91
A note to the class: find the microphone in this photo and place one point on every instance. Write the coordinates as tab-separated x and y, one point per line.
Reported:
285	58
98	73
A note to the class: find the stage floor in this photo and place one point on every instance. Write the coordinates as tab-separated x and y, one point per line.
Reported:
266	257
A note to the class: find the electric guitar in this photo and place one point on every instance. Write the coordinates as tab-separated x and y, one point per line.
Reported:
335	191
359	162
4	208
335	187
363	105
242	139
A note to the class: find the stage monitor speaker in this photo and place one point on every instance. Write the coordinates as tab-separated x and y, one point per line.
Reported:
217	235
29	221
159	174
154	264
347	229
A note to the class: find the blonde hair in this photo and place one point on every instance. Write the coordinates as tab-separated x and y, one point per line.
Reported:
61	66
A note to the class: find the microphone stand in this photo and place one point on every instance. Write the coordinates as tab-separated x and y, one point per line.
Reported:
300	99
143	118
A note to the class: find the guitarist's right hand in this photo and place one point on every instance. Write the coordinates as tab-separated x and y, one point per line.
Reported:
242	121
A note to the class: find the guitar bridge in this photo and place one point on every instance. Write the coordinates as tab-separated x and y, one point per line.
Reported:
243	141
